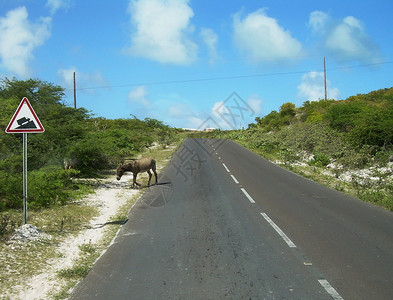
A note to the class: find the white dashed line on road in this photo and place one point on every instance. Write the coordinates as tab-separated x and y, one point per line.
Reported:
234	179
279	231
331	291
226	168
247	195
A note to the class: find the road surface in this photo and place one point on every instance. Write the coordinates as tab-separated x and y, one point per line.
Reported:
224	223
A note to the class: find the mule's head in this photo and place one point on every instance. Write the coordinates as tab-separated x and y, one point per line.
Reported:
119	171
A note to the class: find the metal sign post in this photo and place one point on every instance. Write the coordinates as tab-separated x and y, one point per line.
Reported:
25	177
25	121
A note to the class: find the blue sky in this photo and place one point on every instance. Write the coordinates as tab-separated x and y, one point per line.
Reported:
196	64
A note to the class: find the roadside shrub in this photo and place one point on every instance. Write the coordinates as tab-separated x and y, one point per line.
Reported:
90	155
11	190
8	224
344	115
319	160
384	156
381	197
374	128
46	189
356	157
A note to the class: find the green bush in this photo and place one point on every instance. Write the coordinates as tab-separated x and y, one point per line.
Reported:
374	128
344	115
319	160
47	189
44	189
90	156
11	190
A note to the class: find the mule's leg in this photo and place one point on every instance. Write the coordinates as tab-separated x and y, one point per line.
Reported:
154	170
155	174
134	180
148	172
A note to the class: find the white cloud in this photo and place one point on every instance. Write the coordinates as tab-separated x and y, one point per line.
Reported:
345	39
66	76
19	38
263	39
210	38
312	87
138	95
178	110
235	112
173	109
255	103
181	114
162	30
197	123
318	20
55	5
349	40
84	81
218	109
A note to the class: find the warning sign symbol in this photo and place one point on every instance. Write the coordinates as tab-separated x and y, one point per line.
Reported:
25	123
24	120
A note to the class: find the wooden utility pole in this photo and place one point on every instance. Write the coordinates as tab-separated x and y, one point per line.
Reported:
74	92
324	76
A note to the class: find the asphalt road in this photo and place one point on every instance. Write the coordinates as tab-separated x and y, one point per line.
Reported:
225	223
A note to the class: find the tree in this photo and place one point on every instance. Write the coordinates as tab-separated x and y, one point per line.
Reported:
35	90
374	128
343	116
314	111
63	124
288	109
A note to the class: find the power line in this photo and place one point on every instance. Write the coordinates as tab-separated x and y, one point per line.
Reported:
361	66
229	77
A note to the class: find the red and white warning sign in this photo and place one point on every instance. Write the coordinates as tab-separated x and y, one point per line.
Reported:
24	120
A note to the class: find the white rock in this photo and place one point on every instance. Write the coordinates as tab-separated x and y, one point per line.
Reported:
29	232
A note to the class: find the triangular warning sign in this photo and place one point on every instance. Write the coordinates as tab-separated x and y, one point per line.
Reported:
24	120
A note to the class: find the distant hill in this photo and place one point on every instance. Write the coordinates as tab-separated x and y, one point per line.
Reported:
367	119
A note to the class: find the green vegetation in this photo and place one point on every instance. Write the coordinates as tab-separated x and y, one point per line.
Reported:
63	223
352	134
93	143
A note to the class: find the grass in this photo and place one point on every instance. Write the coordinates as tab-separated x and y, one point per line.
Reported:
20	261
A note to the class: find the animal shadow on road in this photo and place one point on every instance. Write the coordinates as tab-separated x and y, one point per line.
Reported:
118	222
159	194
